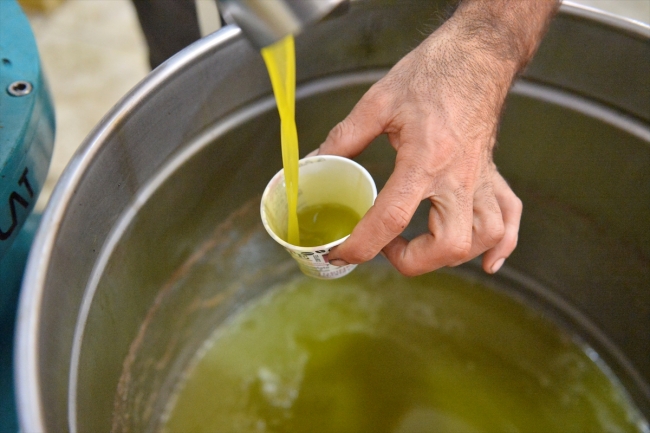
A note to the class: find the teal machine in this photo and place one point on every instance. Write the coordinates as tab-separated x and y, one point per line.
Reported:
26	142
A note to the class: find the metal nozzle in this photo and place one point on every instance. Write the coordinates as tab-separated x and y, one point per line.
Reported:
267	21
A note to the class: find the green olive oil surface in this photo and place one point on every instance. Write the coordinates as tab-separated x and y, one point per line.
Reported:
324	223
377	352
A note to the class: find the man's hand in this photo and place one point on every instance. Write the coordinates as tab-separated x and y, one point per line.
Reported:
440	106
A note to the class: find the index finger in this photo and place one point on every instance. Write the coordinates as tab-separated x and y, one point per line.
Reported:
448	241
388	217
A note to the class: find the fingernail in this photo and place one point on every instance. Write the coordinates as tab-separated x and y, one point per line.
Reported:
338	262
313	152
497	265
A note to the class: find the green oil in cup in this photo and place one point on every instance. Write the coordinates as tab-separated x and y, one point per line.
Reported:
322	224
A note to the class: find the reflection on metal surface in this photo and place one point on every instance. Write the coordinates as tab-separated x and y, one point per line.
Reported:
634	26
583	105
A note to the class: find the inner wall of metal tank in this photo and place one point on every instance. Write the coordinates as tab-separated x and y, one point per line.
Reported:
582	236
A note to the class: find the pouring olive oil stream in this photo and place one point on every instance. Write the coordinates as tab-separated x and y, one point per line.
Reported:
280	59
317	224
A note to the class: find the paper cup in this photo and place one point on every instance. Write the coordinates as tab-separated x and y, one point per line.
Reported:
323	179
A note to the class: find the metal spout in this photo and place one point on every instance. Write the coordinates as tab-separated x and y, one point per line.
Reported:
267	21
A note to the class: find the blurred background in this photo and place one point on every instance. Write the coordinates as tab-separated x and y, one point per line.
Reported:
93	52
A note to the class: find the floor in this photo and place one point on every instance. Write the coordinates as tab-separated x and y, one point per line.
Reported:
93	53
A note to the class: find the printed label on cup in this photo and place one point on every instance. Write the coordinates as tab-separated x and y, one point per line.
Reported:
316	264
322	180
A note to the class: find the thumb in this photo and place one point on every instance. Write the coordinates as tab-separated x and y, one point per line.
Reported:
354	133
386	219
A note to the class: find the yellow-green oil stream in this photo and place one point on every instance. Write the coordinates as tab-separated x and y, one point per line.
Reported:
280	61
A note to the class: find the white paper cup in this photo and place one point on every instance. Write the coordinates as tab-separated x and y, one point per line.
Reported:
323	179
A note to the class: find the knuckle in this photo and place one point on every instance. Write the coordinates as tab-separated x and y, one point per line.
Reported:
339	131
463	197
494	231
497	232
511	242
395	219
459	249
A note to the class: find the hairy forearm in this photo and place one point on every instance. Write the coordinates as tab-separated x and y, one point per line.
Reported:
510	30
478	52
462	72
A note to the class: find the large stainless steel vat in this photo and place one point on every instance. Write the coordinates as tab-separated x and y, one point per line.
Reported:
161	201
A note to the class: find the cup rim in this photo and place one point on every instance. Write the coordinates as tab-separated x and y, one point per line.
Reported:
280	175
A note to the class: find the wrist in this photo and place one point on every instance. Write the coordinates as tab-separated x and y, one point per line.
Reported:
508	31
